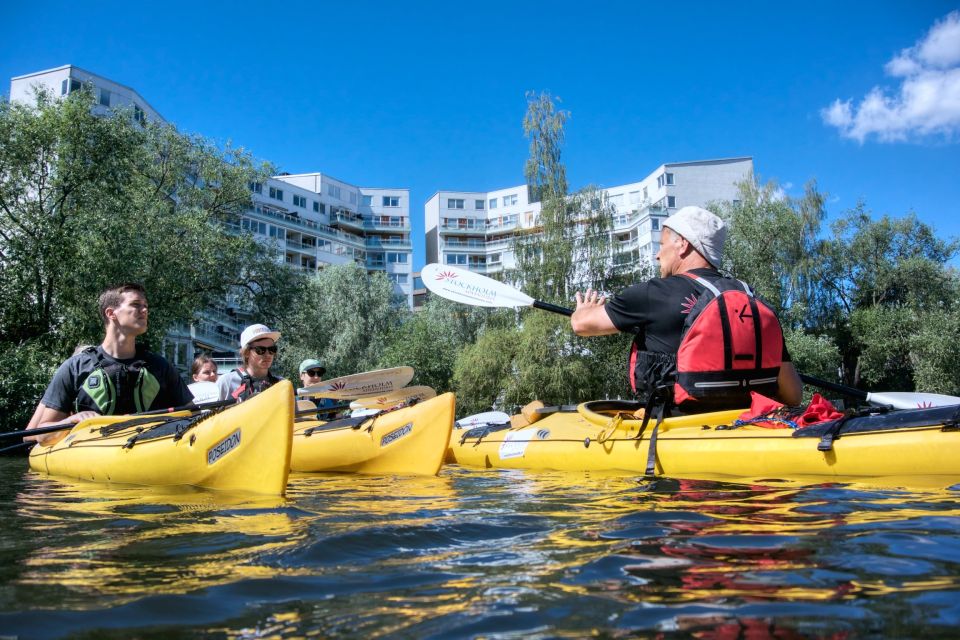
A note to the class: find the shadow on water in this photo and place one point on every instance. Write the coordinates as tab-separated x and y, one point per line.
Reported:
499	554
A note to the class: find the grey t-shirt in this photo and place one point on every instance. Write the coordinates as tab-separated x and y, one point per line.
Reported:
230	383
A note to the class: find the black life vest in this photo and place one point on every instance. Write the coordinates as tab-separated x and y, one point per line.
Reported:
731	344
116	388
250	387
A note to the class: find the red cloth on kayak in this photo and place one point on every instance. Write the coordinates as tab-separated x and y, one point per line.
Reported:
820	410
760	405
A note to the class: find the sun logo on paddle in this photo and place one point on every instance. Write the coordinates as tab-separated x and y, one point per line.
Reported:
446	275
338	386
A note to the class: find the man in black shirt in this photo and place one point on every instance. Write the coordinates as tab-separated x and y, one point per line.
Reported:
116	377
655	311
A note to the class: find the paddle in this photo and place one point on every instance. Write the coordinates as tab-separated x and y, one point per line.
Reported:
360	385
204	391
895	399
474	289
401	396
192	407
478	419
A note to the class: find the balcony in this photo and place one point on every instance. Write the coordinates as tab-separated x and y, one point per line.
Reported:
382	243
368	223
302	224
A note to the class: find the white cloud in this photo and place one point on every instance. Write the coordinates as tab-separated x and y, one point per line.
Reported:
927	102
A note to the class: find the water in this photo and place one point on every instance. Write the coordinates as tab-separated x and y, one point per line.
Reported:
478	554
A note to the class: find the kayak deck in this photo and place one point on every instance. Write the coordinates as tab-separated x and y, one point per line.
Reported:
902	443
245	447
411	440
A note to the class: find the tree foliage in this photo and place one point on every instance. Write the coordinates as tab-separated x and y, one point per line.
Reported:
87	201
345	317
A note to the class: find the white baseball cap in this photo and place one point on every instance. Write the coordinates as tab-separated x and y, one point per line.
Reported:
701	228
256	332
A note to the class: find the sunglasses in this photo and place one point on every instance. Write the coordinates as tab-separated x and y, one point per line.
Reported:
265	350
314	373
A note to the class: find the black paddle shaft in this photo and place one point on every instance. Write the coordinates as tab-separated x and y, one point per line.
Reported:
833	386
546	306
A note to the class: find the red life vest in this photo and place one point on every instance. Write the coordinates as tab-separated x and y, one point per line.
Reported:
731	344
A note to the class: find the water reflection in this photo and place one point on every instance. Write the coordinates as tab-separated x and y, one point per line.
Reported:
481	554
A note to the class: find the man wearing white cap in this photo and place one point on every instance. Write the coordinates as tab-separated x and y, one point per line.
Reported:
258	348
656	311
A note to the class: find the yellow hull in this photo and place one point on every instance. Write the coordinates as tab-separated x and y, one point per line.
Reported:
412	440
693	446
243	448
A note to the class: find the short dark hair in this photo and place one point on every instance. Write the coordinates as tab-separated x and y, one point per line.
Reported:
113	296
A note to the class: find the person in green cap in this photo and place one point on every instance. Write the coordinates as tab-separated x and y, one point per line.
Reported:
311	373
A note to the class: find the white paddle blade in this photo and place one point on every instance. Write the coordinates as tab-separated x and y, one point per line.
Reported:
907	400
471	288
204	392
360	385
478	419
403	396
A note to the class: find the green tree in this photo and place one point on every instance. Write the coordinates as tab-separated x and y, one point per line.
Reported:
431	340
345	317
87	201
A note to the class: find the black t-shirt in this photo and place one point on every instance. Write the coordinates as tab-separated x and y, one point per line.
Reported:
62	392
656	310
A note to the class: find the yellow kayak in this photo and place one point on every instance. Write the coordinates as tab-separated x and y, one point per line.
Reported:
411	440
245	447
603	435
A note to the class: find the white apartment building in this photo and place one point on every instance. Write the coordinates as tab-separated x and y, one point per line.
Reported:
312	219
475	230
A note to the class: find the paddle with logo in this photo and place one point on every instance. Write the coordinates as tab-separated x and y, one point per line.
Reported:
477	290
404	396
360	385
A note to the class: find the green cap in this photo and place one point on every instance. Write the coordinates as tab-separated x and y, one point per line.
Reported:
312	363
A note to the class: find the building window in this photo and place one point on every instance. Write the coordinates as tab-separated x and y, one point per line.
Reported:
333	190
104	97
391	201
645	196
367	201
665	179
478	205
138	114
669	178
397	258
276	194
454	203
671	202
398	278
456	259
493	203
277	232
494	258
655	224
299	201
316	207
256	187
509	200
353	198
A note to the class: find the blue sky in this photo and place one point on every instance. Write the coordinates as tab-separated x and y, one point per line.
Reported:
431	95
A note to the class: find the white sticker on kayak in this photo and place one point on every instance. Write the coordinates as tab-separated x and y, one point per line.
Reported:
396	434
515	444
223	447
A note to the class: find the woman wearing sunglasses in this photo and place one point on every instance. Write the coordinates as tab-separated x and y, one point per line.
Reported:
258	349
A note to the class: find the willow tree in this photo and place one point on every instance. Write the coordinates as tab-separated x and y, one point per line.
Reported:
569	245
89	200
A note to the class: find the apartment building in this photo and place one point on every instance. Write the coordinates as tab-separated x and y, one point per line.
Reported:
475	229
312	219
